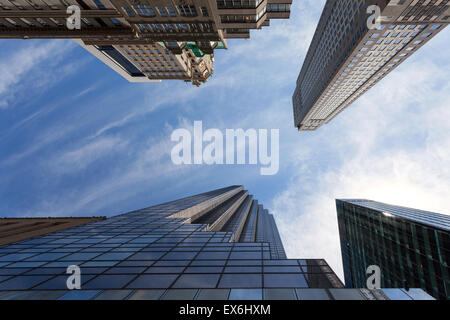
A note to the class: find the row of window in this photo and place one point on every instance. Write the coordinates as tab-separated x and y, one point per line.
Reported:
216	294
145	10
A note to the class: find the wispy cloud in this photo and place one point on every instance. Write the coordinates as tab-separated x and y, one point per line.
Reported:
393	146
73	160
23	61
111	152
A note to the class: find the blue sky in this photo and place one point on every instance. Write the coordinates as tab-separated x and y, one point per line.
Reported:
78	140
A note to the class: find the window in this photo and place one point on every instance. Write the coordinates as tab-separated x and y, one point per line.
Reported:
147	256
113	295
279	294
213	294
243	269
109	281
171	11
197	281
165	270
145	10
284	280
312	294
179	294
22	282
146	295
204	270
79	295
245	294
59	282
161	11
234	280
153	281
346	294
114	256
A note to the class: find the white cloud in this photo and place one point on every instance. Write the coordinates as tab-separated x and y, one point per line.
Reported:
79	158
24	61
392	145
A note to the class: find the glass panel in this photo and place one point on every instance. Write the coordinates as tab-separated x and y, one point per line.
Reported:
153	281
243	269
60	282
40	295
213	294
197	281
418	294
109	281
212	255
396	294
22	282
282	280
279	294
179	255
114	256
125	270
146	295
147	256
240	281
279	269
179	294
346	294
312	294
79	295
204	270
245	294
113	295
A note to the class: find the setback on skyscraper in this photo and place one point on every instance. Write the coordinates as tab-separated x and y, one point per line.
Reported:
221	244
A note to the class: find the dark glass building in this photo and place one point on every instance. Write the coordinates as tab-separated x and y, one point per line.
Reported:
217	245
411	247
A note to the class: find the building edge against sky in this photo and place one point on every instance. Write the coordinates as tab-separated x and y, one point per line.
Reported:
219	245
345	58
411	247
145	41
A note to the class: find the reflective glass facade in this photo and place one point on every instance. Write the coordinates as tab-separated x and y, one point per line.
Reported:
166	252
219	245
411	247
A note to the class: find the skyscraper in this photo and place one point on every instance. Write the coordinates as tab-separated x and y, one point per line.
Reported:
349	55
411	247
145	40
219	245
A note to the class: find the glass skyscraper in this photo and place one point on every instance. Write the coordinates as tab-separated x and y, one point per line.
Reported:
411	247
219	245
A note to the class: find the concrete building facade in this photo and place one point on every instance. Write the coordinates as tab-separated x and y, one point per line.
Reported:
346	57
128	34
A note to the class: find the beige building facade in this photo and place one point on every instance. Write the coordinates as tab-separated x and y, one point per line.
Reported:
346	58
143	40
